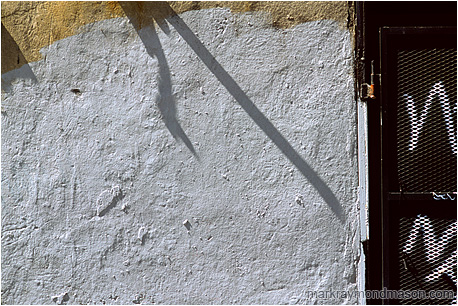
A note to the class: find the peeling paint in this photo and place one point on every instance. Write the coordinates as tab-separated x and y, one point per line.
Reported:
103	199
33	25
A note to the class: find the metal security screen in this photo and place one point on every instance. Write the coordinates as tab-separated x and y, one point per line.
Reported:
419	168
427	253
426	120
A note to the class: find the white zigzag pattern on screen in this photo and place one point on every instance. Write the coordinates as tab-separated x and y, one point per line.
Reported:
418	117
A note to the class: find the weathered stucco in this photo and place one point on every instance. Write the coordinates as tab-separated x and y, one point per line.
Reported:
206	158
37	24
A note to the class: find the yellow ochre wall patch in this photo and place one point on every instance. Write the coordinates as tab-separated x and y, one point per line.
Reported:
28	26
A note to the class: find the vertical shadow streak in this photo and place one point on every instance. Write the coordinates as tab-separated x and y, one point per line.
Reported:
165	101
258	117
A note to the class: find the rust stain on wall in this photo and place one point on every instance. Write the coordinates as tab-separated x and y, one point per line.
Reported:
33	25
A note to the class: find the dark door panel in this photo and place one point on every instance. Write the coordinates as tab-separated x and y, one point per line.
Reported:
418	102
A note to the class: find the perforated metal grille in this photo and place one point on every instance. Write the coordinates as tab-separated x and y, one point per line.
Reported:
427	257
426	120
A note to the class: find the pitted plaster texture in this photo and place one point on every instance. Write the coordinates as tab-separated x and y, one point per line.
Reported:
32	25
135	169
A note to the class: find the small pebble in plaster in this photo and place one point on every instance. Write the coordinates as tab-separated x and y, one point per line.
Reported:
260	214
107	199
61	299
141	234
113	297
187	224
138	299
125	207
294	300
300	200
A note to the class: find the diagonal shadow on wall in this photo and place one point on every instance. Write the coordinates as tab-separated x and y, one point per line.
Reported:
165	101
14	63
164	11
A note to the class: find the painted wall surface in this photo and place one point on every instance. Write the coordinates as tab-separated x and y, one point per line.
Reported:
208	157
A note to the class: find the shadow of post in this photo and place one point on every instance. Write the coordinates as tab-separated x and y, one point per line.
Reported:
144	26
258	117
164	11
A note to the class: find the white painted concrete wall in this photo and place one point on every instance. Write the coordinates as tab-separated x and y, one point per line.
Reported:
246	131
